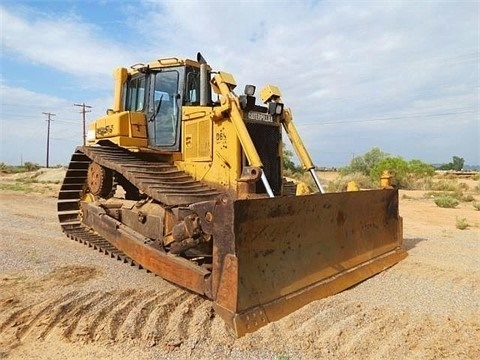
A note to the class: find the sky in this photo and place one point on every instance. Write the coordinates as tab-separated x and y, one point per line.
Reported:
399	75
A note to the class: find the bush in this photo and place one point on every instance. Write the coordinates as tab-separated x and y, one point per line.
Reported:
445	185
468	198
476	205
303	177
462	224
446	202
340	184
29	166
458	195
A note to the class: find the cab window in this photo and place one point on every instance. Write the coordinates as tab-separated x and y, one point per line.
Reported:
135	96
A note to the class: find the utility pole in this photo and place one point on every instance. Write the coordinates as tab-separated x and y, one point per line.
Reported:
84	111
49	115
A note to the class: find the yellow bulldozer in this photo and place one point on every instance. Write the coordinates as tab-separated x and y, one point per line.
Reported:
183	177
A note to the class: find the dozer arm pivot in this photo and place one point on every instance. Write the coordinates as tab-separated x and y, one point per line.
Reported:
222	84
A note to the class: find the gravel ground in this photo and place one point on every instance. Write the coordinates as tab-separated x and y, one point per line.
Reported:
60	299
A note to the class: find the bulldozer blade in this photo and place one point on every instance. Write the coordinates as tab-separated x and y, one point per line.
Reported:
289	251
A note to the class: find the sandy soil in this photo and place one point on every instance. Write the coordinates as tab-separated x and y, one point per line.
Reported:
60	299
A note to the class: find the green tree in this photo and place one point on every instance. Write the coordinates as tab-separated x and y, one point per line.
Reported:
404	172
288	163
457	163
420	169
396	165
365	163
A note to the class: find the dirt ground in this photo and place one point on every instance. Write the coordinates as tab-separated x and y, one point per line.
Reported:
59	299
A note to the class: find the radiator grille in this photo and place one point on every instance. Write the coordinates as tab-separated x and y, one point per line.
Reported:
267	138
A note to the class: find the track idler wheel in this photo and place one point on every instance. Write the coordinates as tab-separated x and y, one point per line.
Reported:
100	180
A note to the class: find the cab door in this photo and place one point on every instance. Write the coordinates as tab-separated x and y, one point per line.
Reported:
163	113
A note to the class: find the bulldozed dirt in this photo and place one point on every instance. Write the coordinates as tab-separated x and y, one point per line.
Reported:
60	299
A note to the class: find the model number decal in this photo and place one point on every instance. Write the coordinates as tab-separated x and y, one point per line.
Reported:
221	136
105	130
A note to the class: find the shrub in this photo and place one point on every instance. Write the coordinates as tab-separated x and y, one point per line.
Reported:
304	177
468	198
340	184
461	224
476	205
421	184
445	185
446	202
458	195
29	166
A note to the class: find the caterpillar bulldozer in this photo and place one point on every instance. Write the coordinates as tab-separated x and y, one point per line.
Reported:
183	177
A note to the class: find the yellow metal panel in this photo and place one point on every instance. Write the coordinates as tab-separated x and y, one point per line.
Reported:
227	151
269	91
205	139
197	143
111	125
138	125
228	78
125	124
190	144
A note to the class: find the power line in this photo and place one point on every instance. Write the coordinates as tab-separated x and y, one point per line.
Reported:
407	116
20	116
84	107
49	115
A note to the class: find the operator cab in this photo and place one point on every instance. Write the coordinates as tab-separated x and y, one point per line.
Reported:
160	94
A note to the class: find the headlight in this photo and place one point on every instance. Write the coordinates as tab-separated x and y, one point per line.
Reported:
249	90
275	108
247	102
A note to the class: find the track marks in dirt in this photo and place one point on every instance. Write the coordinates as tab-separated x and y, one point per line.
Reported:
349	329
23	320
144	317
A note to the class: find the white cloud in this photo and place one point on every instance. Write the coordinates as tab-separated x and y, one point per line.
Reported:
63	43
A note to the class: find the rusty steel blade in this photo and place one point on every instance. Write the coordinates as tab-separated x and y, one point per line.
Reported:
290	251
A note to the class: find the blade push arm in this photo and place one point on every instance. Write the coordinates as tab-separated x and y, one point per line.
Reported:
271	95
299	148
223	84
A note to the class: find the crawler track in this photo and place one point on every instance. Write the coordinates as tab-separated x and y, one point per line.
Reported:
162	182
